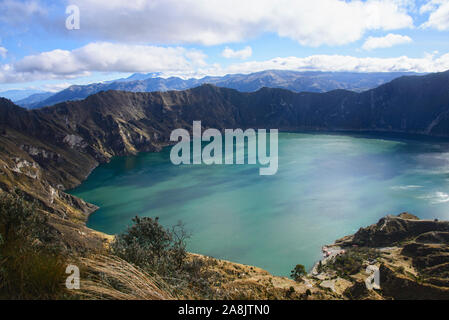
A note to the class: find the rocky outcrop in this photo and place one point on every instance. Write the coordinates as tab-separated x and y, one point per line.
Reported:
412	257
391	230
402	287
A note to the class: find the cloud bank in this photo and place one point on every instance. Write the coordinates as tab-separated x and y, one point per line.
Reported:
338	63
212	22
101	57
185	63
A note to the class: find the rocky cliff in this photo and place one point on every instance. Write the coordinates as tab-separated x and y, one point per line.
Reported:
412	257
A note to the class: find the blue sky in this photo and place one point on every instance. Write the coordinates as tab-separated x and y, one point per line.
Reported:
194	38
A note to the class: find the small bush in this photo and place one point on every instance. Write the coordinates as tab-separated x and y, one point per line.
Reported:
298	272
162	252
351	262
148	244
290	292
20	219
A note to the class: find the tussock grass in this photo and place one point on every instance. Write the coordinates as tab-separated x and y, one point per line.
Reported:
31	263
31	273
112	278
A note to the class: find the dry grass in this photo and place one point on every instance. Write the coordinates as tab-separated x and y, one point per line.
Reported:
111	278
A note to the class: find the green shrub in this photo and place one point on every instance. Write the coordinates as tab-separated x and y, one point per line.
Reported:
298	272
351	262
162	251
20	219
290	292
148	244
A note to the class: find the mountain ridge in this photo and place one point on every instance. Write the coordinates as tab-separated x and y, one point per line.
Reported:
292	80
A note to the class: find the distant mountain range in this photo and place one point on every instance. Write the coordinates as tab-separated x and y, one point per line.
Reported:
291	80
34	99
17	95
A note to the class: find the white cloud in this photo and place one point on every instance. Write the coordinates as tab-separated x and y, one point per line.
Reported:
336	63
388	41
55	87
211	22
439	14
185	63
102	57
245	53
3	52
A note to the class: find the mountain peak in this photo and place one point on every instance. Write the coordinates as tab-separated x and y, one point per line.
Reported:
286	79
143	76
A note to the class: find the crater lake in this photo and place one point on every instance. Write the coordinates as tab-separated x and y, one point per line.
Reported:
327	186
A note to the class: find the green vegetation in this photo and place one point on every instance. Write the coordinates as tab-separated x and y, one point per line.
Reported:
162	252
351	261
298	272
149	245
290	292
31	267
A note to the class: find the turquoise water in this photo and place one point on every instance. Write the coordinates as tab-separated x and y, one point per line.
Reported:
327	186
